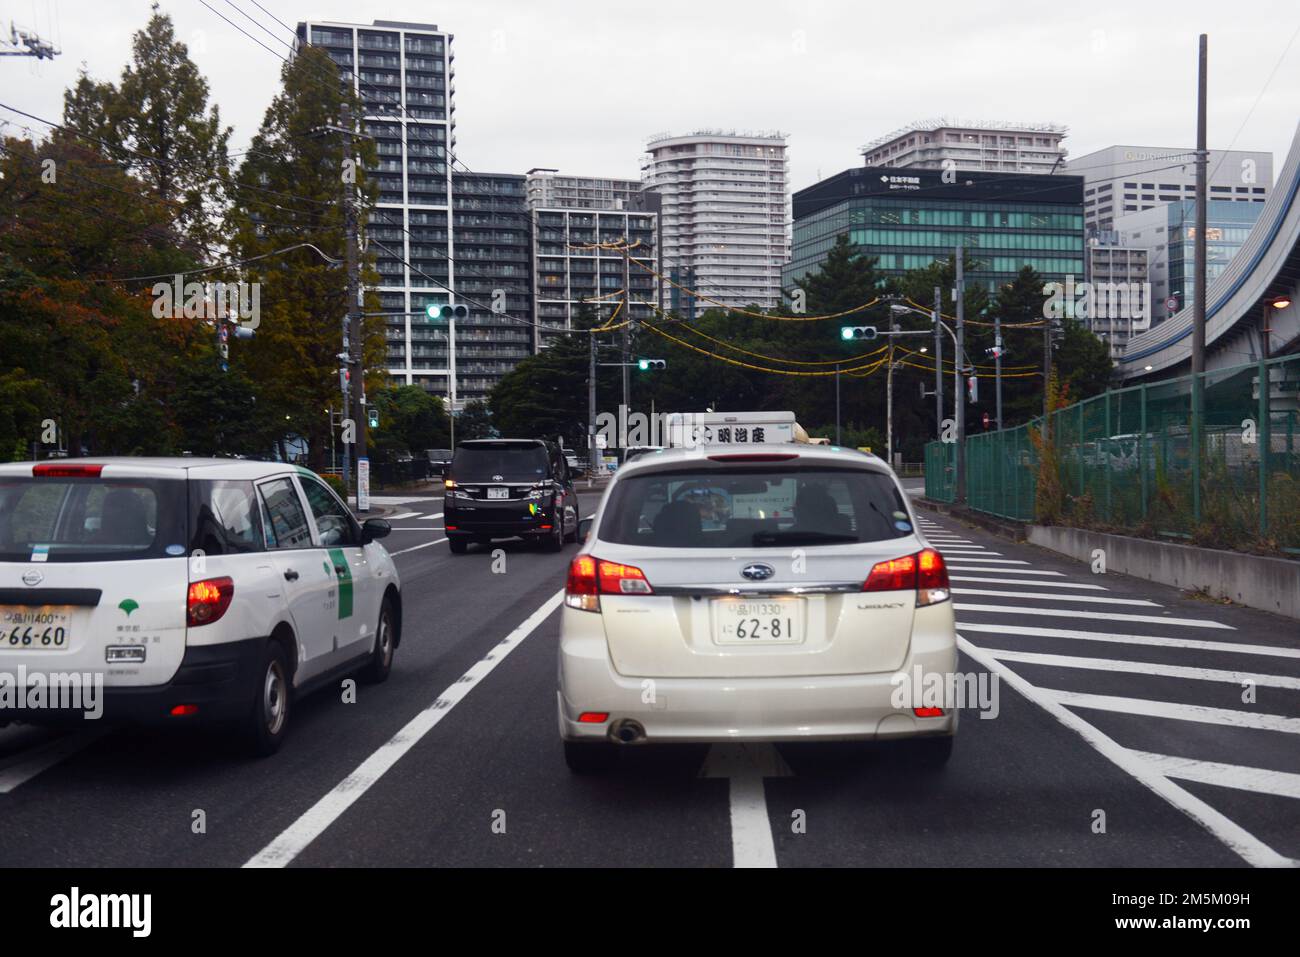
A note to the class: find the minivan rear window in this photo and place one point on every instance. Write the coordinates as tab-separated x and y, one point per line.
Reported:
91	519
500	462
743	508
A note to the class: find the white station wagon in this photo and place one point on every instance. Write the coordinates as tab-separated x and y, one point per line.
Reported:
187	590
752	593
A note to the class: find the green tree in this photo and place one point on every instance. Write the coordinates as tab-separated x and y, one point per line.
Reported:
292	360
474	422
157	124
410	420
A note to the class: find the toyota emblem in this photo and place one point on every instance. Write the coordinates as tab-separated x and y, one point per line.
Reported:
758	571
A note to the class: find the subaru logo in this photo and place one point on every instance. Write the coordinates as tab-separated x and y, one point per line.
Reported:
758	572
32	577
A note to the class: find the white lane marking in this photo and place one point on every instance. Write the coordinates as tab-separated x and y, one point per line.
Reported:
316	819
1252	850
1145	668
746	765
1203	714
1151	640
958	559
430	517
417	528
1259	780
402	515
27	764
1006	571
415	547
968	552
1024	581
1110	616
1036	596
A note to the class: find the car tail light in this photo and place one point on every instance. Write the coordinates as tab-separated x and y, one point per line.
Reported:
925	572
184	710
897	574
931	578
65	470
591	577
208	600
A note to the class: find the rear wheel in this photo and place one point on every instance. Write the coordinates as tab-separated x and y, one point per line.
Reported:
588	757
264	729
458	545
381	659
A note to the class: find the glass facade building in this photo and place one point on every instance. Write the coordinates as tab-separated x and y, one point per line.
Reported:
909	218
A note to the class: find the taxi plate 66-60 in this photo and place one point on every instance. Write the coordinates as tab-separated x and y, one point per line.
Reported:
35	628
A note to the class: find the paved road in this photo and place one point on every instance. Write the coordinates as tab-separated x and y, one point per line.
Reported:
1121	739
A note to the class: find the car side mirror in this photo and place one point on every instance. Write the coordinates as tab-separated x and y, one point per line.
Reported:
374	528
584	528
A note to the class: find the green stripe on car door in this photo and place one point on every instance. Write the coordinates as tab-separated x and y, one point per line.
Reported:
345	581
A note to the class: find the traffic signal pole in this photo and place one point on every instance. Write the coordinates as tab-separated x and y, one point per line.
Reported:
958	399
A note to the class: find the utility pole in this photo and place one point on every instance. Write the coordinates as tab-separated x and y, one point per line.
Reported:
997	363
627	313
29	44
1047	373
958	399
352	338
591	404
938	365
837	403
1198	311
889	402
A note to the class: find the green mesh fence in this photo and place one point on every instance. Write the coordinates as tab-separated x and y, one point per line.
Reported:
1137	460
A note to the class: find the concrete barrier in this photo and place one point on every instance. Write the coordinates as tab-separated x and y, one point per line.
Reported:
1270	584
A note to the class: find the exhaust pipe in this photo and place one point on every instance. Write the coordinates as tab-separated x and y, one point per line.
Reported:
627	731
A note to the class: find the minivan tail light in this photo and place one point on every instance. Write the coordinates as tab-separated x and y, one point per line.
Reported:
591	577
208	600
925	572
65	470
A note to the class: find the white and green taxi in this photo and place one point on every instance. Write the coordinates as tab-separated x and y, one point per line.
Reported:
185	590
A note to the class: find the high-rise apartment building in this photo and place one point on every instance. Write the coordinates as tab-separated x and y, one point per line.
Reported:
1131	179
1118	274
724	216
571	271
954	145
402	73
491	223
548	189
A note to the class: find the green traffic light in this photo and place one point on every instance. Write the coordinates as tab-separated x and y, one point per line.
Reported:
433	310
643	364
846	332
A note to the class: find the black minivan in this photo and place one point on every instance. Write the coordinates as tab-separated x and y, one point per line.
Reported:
501	488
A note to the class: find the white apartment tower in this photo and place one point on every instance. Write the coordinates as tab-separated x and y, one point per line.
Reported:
987	146
724	220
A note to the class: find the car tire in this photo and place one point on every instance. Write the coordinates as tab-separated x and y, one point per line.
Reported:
381	659
458	545
268	719
931	752
589	757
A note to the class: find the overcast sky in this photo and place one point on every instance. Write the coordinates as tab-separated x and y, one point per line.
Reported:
580	85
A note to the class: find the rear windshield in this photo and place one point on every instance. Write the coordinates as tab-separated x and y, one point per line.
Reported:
754	508
500	463
91	519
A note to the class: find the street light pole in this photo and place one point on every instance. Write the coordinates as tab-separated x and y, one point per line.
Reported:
938	365
960	490
837	403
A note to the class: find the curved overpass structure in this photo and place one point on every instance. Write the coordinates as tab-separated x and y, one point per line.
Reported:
1237	303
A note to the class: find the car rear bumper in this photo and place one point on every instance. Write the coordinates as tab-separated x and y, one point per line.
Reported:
217	680
497	522
803	708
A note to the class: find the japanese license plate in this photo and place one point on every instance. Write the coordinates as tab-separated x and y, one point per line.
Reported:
768	621
35	627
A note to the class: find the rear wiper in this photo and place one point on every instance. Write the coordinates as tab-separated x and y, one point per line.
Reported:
801	538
